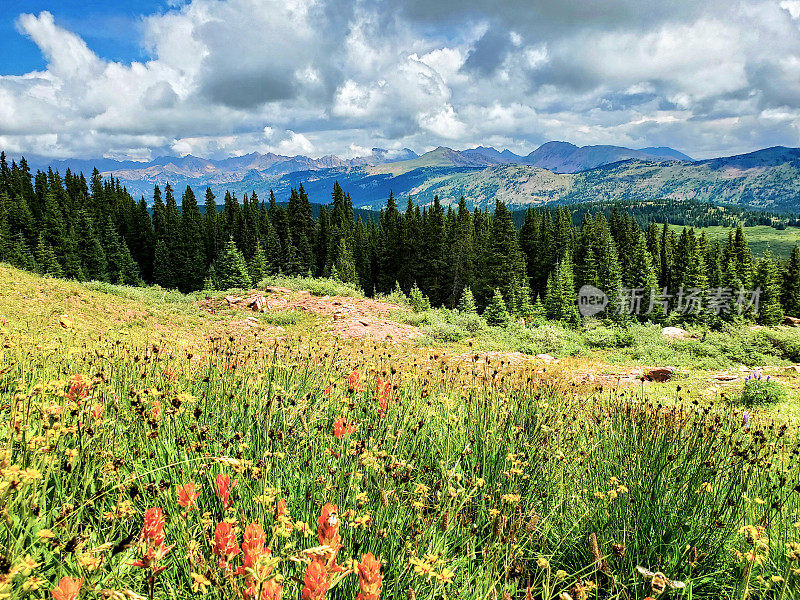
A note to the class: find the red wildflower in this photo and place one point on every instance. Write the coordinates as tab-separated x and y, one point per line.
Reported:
272	590
225	545
253	545
383	398
253	549
78	387
369	578
342	427
67	589
354	381
97	411
151	542
188	495
315	582
153	529
328	533
224	488
156	410
281	508
329	391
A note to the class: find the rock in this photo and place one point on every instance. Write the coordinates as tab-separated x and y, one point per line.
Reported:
659	374
791	321
231	300
545	357
795	368
363	322
726	376
675	333
65	322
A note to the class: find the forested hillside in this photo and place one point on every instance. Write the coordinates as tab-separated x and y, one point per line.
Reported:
70	227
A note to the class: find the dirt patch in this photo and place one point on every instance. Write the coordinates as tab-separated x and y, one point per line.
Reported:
351	318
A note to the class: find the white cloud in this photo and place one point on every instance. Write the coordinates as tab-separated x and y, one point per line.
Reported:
227	77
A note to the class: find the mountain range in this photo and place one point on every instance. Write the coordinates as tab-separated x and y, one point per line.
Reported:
556	172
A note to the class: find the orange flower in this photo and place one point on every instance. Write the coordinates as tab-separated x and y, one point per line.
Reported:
354	381
156	410
369	578
97	411
253	545
272	590
78	387
188	495
253	549
225	545
153	529
151	541
328	533
281	508
67	589
315	582
224	488
342	427
383	400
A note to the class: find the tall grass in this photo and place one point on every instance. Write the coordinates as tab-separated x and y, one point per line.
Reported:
477	480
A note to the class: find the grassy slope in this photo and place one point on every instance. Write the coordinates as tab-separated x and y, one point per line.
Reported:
760	238
491	478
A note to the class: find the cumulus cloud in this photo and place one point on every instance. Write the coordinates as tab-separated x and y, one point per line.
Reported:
226	77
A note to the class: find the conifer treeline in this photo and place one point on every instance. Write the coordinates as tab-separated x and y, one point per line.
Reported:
94	229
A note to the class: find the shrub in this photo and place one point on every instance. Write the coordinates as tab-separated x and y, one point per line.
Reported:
283	318
396	297
419	301
318	286
761	391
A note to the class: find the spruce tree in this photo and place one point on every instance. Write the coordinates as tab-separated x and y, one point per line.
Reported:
560	298
419	301
46	261
162	266
193	249
231	268
466	304
767	279
258	267
345	265
496	313
502	260
790	294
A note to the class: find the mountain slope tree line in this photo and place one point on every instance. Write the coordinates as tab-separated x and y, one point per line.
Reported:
95	230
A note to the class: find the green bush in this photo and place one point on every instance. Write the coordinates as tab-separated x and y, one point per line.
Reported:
761	391
318	286
283	318
419	301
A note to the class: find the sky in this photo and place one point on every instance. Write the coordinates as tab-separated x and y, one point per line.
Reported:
137	79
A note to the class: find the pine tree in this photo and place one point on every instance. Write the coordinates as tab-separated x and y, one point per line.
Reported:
345	265
46	261
791	284
462	254
91	253
162	266
466	304
767	280
419	301
193	249
560	298
496	313
231	268
502	261
258	267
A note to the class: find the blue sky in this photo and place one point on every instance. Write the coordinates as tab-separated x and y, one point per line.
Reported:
142	78
112	29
